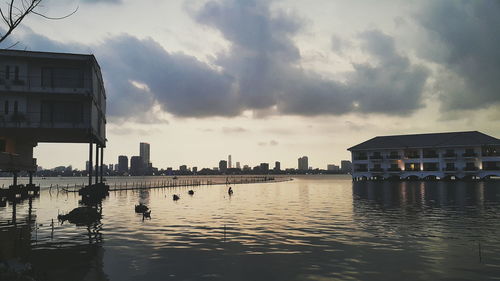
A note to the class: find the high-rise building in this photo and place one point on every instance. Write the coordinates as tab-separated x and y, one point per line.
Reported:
238	166
144	153
229	163
222	165
346	166
303	163
136	166
122	164
277	166
87	166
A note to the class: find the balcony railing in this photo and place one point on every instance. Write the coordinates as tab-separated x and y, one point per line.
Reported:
491	154
376	170
34	120
450	169
35	83
491	168
394	170
361	158
430	169
376	157
469	154
471	169
412	170
361	170
449	155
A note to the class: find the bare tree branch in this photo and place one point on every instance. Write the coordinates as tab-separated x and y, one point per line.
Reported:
14	11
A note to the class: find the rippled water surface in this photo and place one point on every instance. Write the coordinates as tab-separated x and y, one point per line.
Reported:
311	228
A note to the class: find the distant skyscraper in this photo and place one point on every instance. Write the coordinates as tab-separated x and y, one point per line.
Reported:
277	166
136	166
238	165
144	153
122	164
222	165
303	163
229	163
87	166
346	166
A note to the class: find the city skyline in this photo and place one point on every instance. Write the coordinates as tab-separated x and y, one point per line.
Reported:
277	76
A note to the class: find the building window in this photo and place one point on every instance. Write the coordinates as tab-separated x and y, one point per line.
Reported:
450	167
62	112
7	72
6	107
56	77
2	145
16	73
16	107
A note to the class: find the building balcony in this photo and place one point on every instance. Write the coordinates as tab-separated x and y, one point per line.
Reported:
469	155
57	84
360	170
450	155
431	169
412	170
491	168
450	169
491	154
377	170
394	156
471	169
431	155
34	120
376	157
412	156
14	162
394	170
361	158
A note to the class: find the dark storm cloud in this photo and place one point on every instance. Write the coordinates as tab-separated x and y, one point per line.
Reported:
466	41
260	72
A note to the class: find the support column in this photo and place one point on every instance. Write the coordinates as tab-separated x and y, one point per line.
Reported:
102	164
91	165
96	163
31	177
15	178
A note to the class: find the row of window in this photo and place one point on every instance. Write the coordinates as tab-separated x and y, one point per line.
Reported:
469	166
6	107
53	77
449	153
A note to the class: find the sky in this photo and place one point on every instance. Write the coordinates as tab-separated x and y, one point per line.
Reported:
271	81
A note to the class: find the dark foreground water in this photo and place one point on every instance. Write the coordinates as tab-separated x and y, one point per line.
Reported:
311	228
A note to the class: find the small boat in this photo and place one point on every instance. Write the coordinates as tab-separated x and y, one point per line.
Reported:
191	192
176	197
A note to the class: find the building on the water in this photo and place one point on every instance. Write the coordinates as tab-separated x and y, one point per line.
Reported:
456	155
49	97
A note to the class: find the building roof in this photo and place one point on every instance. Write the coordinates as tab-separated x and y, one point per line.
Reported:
472	138
48	55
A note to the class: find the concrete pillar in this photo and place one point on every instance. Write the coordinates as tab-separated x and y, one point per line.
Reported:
102	164
90	162
31	177
15	178
96	163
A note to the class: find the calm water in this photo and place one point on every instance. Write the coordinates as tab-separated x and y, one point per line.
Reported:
311	228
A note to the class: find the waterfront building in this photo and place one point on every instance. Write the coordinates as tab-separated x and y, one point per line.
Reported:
346	166
144	153
238	165
222	166
122	164
264	167
183	168
229	162
303	163
49	97
456	155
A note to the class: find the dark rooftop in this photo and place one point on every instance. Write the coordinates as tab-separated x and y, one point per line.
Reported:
428	140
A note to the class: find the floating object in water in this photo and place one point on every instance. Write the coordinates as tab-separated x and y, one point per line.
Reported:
176	197
191	192
141	208
81	216
146	214
230	191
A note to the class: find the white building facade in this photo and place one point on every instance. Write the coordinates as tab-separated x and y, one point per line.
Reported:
458	155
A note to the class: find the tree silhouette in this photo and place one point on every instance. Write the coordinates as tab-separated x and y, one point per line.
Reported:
14	11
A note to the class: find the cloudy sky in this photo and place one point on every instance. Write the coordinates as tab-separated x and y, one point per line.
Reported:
271	81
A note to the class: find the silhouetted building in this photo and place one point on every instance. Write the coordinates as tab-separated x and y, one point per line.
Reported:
303	163
229	162
195	170
183	168
238	165
122	164
346	166
144	153
264	167
136	166
332	167
222	165
277	166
